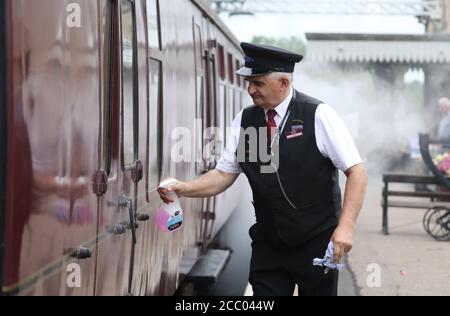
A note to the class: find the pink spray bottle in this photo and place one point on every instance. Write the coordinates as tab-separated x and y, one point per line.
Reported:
169	217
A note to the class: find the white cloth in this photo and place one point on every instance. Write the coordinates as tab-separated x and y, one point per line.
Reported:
327	260
332	137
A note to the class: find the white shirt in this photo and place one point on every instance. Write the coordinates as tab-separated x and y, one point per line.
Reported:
332	137
444	127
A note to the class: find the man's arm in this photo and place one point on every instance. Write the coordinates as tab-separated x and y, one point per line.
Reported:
355	189
210	184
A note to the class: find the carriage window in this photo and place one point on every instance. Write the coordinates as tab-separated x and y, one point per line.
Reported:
222	63
154	147
128	84
230	112
223	113
199	122
199	97
238	78
237	102
198	48
106	77
230	68
154	34
230	107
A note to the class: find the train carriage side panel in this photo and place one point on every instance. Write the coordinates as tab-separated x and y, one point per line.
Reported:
224	109
185	80
18	173
51	209
79	111
115	266
171	98
158	255
148	256
179	96
143	117
4	18
227	53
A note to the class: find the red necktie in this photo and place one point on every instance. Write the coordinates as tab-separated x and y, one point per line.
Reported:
271	125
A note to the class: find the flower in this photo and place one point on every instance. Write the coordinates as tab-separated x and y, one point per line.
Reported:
442	163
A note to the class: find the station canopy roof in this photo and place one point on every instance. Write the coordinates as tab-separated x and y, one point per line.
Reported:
375	48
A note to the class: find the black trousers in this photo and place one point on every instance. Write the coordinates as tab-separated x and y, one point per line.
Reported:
274	271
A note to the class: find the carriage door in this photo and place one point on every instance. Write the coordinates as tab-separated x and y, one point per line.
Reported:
131	166
117	206
207	140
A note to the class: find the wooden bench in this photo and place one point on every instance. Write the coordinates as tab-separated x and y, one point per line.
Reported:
410	179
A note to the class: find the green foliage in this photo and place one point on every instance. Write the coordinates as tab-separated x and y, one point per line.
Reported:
294	44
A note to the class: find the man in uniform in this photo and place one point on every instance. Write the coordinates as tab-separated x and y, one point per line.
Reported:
296	194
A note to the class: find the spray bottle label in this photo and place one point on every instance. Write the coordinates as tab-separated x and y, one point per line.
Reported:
175	221
168	221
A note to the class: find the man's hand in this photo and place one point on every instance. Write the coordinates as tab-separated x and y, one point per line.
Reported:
179	188
343	242
355	190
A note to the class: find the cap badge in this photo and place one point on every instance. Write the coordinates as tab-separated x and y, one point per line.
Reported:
249	59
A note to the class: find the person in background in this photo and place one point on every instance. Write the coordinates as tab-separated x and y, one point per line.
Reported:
443	133
444	123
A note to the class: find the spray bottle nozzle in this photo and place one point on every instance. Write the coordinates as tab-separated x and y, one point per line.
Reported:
167	183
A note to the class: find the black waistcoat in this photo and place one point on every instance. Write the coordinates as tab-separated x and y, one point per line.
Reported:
309	180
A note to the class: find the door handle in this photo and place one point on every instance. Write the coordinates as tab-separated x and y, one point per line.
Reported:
126	202
137	173
143	217
117	229
80	253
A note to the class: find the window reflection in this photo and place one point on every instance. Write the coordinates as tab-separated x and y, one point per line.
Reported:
153	24
154	128
127	82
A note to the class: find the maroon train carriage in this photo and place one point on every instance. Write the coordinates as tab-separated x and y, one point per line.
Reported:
90	94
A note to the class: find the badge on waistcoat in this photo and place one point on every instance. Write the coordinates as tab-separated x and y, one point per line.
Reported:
295	132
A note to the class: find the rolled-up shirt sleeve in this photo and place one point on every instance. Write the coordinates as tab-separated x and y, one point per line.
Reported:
228	162
334	139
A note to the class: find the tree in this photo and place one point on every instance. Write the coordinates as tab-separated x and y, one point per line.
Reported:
294	44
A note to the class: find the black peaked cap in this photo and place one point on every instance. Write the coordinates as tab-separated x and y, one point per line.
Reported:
264	59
